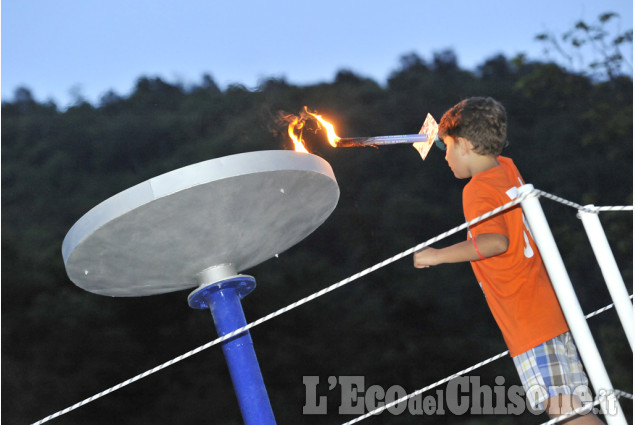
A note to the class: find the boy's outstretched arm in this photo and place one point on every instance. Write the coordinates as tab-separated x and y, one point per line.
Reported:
489	245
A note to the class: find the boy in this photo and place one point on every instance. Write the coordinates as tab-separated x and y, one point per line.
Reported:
505	259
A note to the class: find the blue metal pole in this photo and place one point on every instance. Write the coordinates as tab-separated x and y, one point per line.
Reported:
223	299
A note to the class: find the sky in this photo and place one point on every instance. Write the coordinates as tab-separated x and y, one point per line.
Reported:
63	50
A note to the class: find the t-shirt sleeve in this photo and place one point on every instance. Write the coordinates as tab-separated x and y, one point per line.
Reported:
479	199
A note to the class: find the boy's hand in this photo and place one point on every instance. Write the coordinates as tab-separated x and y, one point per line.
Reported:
425	258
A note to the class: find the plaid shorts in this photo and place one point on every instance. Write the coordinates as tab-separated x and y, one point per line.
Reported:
550	369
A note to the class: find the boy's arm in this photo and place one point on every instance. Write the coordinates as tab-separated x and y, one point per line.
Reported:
489	245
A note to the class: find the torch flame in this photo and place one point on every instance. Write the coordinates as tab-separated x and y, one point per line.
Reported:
297	141
297	124
330	131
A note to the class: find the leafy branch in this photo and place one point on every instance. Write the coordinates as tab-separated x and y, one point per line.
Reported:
597	48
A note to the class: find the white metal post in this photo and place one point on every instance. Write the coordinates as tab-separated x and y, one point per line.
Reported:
571	306
610	271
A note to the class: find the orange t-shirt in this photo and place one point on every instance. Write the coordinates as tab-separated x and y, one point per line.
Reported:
515	283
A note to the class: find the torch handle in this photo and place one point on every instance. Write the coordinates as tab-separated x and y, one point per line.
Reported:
382	140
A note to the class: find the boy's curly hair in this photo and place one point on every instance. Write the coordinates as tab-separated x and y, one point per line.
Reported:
481	120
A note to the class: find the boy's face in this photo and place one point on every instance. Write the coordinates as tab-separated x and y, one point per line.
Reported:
456	156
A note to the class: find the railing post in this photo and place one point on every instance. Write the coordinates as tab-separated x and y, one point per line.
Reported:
571	306
602	250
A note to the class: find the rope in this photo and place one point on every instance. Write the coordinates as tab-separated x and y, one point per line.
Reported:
602	310
311	297
588	208
616	394
429	387
457	374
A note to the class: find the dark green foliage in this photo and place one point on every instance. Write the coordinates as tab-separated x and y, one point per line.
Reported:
570	135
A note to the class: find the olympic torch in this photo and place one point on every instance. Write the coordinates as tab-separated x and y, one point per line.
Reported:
422	141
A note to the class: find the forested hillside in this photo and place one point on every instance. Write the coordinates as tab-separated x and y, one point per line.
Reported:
569	135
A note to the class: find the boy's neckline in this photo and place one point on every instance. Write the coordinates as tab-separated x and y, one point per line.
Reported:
489	163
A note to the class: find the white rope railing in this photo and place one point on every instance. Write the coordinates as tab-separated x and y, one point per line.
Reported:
587	208
317	295
451	377
583	410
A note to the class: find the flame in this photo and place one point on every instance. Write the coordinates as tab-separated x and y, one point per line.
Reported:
297	141
297	124
330	131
